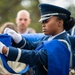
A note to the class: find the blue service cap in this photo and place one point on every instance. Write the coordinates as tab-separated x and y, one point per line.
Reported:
48	10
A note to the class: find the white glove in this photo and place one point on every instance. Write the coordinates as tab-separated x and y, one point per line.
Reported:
1	47
14	35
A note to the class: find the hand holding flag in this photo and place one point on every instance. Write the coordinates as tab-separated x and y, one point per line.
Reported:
14	35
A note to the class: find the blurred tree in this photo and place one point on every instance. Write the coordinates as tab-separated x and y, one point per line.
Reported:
71	8
7	9
35	15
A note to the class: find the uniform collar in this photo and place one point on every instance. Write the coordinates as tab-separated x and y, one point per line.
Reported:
52	37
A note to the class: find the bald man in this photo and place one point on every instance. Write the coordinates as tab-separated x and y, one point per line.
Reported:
23	21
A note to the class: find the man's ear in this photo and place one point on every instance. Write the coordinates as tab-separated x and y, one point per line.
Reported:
16	20
29	21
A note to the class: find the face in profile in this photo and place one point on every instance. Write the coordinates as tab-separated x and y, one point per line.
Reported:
50	26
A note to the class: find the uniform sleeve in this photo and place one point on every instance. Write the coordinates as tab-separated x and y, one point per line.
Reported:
72	40
34	37
31	57
25	44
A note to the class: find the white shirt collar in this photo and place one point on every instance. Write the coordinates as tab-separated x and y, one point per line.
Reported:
24	32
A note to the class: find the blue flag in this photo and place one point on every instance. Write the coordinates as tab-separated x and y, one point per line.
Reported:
5	39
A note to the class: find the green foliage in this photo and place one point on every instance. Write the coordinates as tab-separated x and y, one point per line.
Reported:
7	9
72	9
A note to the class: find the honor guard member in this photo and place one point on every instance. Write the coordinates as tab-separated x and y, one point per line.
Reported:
72	40
72	31
51	55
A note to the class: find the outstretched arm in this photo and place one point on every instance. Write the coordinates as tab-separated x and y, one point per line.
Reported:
22	42
31	57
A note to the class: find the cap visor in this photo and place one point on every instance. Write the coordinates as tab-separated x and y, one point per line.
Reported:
44	18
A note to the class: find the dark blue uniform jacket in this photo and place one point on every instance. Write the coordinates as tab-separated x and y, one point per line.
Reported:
36	55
